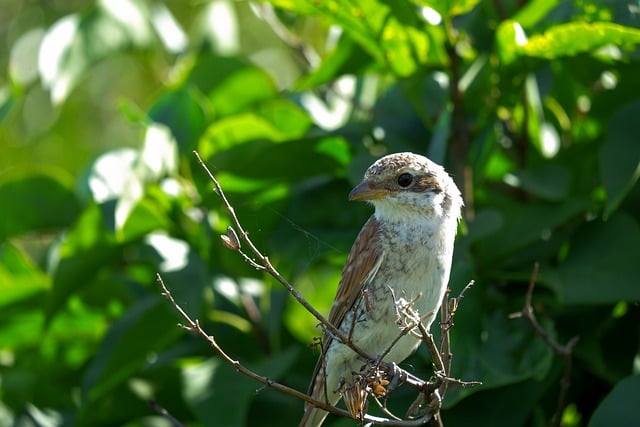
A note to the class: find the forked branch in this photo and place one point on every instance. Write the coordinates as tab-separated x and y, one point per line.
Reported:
234	239
565	351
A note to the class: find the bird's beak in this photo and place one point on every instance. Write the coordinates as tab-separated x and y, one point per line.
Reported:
366	192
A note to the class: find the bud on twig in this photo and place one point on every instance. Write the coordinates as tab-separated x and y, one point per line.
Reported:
230	240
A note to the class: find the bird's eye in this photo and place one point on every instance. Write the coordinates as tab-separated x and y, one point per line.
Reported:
405	179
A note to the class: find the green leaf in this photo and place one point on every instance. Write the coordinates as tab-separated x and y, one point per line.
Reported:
450	8
275	159
231	96
38	200
620	156
347	58
602	256
512	409
550	182
76	42
144	218
534	11
144	329
620	407
579	37
213	388
277	121
509	36
540	219
393	33
494	349
19	276
318	285
183	112
224	80
85	250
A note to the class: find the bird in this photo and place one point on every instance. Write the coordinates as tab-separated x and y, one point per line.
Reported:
398	269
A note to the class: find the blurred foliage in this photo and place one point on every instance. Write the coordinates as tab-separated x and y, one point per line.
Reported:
533	106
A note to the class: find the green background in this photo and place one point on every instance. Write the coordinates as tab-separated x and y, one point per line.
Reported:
532	106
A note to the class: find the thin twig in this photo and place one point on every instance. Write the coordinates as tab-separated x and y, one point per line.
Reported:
233	240
265	265
194	326
162	411
565	351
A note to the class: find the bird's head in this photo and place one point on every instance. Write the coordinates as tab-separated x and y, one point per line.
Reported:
403	185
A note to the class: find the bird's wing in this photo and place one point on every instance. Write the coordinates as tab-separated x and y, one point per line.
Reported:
362	265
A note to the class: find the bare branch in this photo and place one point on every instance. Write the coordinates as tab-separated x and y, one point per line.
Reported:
194	326
565	351
264	264
161	411
378	375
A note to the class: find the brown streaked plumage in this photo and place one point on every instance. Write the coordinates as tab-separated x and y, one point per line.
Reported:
401	258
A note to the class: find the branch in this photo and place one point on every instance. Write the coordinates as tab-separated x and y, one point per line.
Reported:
374	381
565	351
192	325
232	242
162	411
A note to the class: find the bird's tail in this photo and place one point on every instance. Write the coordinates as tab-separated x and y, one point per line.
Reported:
313	417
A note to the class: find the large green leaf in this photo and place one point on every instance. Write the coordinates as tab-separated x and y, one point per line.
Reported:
603	264
490	347
275	122
525	224
225	81
184	112
620	155
220	396
40	200
620	407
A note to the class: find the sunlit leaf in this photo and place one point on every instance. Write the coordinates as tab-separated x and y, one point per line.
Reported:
392	33
143	218
318	285
579	37
534	11
347	58
272	126
23	62
76	42
230	95
19	276
449	8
